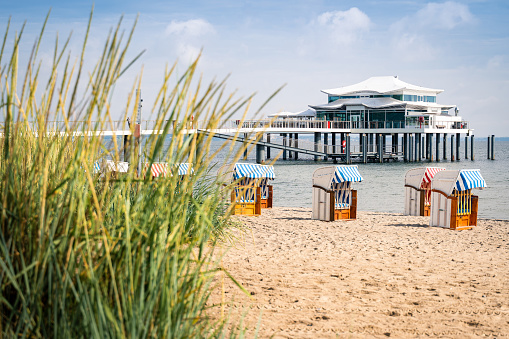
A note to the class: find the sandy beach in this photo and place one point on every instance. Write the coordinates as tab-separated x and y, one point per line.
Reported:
382	275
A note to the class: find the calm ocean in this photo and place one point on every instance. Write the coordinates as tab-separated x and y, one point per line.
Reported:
382	189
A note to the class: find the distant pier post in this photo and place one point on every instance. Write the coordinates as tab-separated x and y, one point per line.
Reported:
437	147
472	147
452	147
268	148
458	142
333	142
493	147
318	137
488	152
380	148
445	146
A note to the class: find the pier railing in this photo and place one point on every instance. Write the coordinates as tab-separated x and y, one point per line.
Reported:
283	124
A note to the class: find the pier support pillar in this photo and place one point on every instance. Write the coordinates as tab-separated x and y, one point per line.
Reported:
458	142
285	143
466	146
452	147
423	147
318	137
290	143
430	147
333	142
326	146
245	146
260	154
394	148
445	147
437	147
348	156
296	142
472	147
268	148
411	146
364	148
426	146
370	142
380	148
418	147
405	147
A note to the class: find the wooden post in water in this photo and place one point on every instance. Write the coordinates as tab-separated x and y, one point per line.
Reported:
493	147
488	153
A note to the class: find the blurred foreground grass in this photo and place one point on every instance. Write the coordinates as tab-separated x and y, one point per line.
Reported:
84	255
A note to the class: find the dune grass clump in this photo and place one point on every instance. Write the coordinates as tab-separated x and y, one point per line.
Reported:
85	254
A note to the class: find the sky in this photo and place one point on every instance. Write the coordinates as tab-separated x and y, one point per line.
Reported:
459	46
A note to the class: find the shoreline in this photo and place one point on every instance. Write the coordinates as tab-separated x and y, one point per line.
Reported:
383	274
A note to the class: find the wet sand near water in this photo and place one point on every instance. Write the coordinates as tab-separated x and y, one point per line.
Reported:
382	275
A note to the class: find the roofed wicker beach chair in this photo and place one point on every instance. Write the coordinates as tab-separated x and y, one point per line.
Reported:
333	196
157	169
114	168
418	190
453	205
251	191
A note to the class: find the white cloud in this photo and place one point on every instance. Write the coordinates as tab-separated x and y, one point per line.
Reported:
189	37
447	15
343	27
417	37
196	27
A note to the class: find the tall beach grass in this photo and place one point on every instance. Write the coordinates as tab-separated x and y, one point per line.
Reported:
88	255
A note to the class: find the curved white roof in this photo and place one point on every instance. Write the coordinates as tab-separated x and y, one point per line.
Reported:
382	85
379	103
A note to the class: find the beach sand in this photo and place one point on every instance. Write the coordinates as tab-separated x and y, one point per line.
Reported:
382	275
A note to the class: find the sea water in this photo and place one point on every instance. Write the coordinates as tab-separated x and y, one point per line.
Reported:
382	188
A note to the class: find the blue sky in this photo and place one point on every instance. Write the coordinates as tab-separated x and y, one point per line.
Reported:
459	46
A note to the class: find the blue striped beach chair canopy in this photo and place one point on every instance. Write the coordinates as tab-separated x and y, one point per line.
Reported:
346	174
185	169
253	171
461	180
97	167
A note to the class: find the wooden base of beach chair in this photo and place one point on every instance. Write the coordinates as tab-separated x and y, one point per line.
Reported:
342	214
248	208
466	221
267	203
